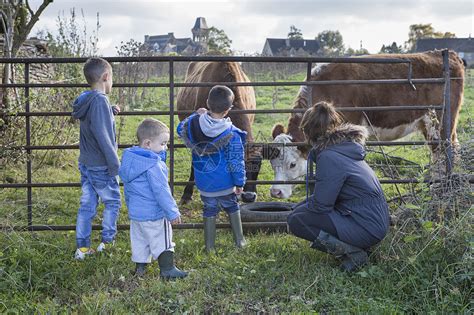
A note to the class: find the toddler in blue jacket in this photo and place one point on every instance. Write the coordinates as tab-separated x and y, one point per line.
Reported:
151	207
218	161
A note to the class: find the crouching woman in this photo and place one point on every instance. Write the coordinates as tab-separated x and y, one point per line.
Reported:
347	213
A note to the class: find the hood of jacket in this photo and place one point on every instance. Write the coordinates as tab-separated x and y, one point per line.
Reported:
346	139
213	127
81	105
136	161
201	144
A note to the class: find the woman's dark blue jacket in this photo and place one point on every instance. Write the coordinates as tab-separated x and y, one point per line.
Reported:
346	185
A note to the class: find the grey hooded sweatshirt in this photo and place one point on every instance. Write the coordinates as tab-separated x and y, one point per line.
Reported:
98	145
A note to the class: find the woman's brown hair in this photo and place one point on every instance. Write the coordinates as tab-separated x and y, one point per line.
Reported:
319	120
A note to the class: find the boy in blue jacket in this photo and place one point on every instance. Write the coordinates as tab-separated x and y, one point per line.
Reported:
151	207
98	159
218	161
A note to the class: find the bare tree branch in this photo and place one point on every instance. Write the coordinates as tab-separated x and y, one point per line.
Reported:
29	8
23	32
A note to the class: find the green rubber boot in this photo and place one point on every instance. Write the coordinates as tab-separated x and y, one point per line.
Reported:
167	268
352	257
210	233
236	225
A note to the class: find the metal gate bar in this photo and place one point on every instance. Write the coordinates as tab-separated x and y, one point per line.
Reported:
181	226
250	111
172	112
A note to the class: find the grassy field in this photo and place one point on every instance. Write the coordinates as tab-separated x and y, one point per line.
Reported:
420	267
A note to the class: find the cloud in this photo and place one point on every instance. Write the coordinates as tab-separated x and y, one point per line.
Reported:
249	22
367	9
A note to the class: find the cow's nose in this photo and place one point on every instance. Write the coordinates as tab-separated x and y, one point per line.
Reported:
275	192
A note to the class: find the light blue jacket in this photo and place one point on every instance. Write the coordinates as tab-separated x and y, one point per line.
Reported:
147	193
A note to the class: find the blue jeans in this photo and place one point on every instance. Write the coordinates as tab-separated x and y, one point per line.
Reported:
212	205
97	183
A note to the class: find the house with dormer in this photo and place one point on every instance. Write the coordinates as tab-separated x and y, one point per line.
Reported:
290	47
168	44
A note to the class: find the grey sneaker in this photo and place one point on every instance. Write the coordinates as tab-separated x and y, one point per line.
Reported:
104	246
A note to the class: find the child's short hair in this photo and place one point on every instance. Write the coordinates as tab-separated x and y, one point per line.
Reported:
94	68
220	99
150	128
321	118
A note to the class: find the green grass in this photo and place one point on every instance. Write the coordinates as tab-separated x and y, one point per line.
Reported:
416	269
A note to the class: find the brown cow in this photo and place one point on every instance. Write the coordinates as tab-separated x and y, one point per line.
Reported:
191	98
290	164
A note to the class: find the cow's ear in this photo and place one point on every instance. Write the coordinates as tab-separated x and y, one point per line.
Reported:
278	129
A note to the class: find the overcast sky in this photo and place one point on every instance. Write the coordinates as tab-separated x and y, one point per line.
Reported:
249	22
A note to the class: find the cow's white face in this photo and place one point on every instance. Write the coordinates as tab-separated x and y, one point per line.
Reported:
288	165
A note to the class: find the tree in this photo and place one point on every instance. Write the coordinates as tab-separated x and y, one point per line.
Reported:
72	39
218	41
295	33
331	43
18	20
418	31
352	52
391	49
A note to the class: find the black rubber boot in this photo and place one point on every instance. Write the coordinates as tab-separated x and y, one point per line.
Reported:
352	257
167	268
210	233
140	269
236	225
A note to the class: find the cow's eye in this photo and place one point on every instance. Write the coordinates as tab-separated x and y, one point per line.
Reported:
292	165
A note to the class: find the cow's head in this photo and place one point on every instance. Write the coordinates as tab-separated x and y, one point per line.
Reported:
288	163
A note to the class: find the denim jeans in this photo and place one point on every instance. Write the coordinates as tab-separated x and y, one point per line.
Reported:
97	183
212	205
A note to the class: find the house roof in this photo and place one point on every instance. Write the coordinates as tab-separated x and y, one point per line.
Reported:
456	44
200	24
309	45
159	39
168	42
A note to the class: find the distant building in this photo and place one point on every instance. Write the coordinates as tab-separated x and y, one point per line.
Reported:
166	44
290	47
463	46
200	30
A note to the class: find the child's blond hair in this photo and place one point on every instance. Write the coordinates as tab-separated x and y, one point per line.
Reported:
150	128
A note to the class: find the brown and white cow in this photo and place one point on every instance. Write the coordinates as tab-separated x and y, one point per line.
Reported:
191	98
289	163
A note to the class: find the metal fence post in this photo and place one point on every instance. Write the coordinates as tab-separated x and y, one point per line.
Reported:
29	192
310	103
171	90
447	112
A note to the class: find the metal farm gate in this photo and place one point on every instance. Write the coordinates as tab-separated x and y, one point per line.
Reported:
29	185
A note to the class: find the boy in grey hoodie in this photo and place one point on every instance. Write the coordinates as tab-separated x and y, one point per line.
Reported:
98	159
